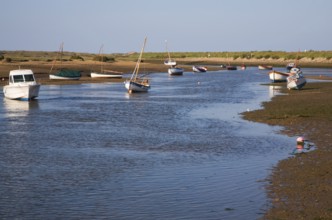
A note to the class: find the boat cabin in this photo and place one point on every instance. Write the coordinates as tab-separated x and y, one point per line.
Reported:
21	76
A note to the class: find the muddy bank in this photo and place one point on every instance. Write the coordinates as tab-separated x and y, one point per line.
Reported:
42	69
301	187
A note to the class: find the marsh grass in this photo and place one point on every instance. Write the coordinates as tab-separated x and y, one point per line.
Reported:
22	56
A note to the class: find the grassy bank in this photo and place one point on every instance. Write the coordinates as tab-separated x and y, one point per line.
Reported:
301	186
41	61
279	58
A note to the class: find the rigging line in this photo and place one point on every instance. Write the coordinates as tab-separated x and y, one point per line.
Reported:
139	60
59	52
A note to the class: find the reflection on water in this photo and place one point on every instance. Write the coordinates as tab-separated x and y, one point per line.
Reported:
19	107
275	90
180	151
15	108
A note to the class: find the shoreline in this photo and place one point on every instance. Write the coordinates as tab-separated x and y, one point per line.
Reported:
42	69
300	187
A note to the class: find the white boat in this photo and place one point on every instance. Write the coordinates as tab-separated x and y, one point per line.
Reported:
22	85
169	62
199	69
64	74
265	67
175	71
172	70
106	74
289	66
296	80
138	83
276	76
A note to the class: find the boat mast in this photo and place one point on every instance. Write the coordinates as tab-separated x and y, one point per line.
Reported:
59	52
134	76
297	58
229	64
169	55
101	58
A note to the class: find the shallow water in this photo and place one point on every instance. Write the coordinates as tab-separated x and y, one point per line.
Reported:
180	151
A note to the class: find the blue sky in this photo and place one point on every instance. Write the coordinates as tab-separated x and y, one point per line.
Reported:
187	25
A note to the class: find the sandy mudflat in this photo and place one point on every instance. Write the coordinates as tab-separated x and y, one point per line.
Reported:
301	187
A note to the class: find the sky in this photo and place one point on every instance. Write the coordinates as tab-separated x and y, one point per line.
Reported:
187	25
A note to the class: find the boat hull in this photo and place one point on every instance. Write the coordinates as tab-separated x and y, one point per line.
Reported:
231	67
199	69
278	76
105	75
262	67
136	87
21	92
64	77
296	82
175	71
170	63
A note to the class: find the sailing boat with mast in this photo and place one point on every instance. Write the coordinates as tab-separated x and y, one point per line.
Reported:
172	70
169	62
229	66
104	73
138	83
64	74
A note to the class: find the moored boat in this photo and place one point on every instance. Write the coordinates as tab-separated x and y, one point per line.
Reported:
296	80
106	74
265	67
169	61
289	66
229	67
22	85
199	69
172	70
66	74
276	76
175	71
138	83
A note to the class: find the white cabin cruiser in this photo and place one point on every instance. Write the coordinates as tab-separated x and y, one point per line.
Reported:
22	85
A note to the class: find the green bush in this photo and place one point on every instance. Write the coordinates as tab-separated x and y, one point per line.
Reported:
76	57
103	58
